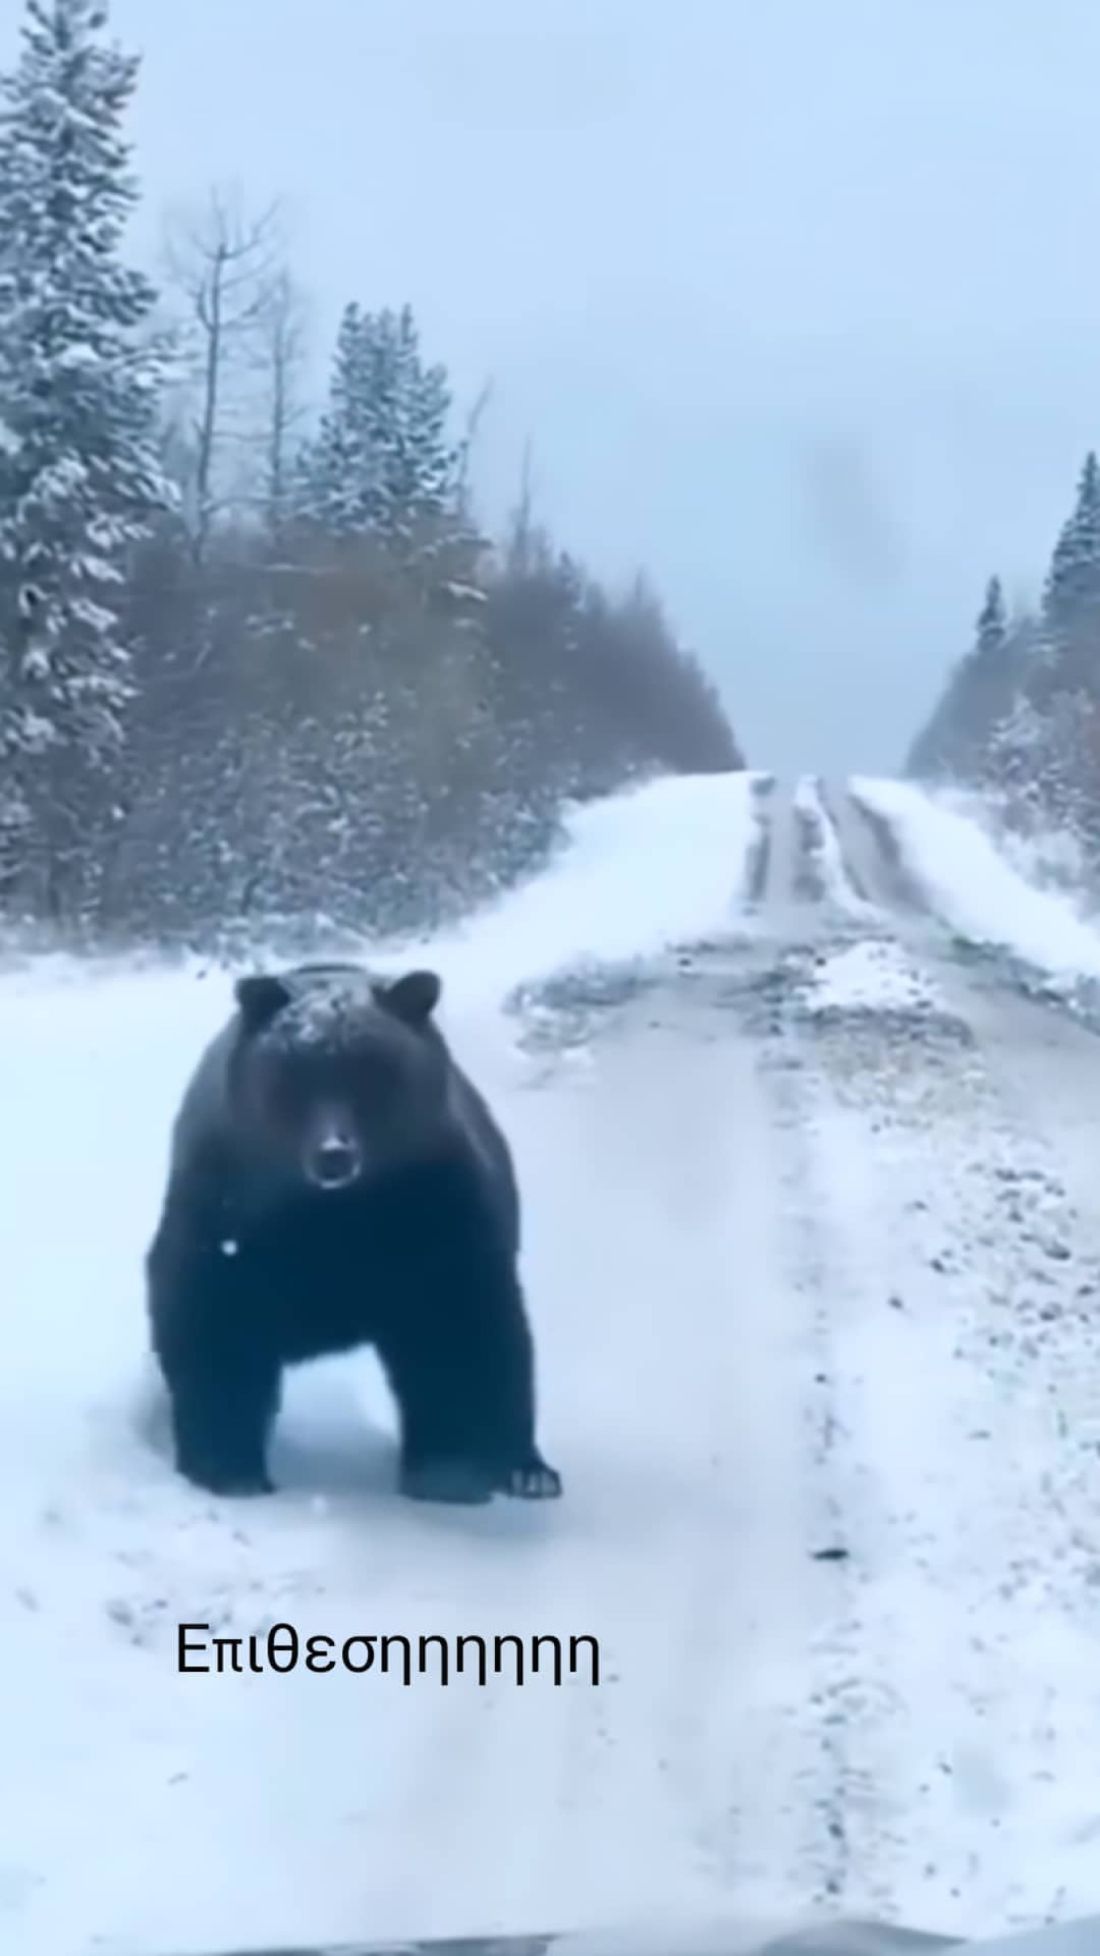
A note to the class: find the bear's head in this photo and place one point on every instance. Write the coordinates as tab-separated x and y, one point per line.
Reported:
338	1077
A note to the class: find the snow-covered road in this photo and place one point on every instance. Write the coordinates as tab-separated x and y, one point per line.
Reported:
813	1254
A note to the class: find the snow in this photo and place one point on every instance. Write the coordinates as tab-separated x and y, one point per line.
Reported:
963	1464
975	889
833	1257
871	976
327	1783
839	888
319	1015
642	872
1045	856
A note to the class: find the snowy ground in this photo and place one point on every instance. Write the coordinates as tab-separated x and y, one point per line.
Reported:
813	1256
976	889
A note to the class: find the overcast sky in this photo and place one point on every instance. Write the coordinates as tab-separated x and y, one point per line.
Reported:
797	300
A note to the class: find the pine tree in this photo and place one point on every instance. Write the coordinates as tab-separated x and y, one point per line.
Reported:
382	462
992	628
338	475
1073	583
421	469
79	471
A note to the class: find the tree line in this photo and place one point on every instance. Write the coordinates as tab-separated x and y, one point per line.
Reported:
262	668
1020	713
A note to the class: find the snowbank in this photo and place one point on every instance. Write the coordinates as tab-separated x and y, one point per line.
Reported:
1047	857
975	890
640	873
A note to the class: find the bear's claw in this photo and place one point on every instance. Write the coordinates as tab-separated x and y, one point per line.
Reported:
534	1482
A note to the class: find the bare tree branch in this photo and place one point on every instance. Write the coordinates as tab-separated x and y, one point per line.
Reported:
473	422
282	351
227	267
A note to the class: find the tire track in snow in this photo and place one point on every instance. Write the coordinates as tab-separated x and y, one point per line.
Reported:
780	892
843	885
823	871
707	1677
809	879
787	883
759	856
809	1275
965	1447
871	855
956	1429
762	1772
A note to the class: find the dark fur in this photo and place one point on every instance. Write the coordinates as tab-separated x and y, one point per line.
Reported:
252	1269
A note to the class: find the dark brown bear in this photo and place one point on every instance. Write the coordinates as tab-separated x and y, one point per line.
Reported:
337	1181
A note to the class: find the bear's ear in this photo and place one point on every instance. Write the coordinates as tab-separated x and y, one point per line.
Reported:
412	998
258	999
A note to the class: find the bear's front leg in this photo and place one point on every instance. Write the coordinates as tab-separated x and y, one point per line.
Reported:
517	1465
222	1414
223	1382
441	1459
462	1370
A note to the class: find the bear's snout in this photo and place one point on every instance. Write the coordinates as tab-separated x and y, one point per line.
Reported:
333	1158
334	1165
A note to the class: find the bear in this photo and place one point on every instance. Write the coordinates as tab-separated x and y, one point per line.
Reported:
335	1180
